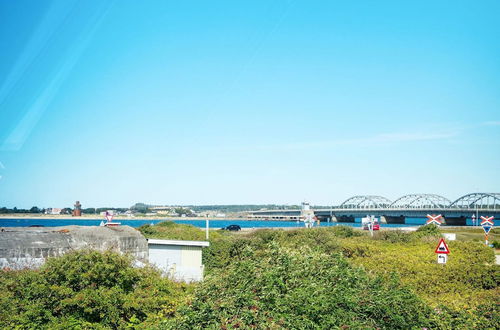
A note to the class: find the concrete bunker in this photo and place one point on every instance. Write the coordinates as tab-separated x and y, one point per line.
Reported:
29	247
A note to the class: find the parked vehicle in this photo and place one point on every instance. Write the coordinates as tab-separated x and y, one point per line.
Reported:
370	220
232	228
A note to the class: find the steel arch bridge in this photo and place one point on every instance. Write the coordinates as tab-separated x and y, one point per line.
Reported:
478	201
420	201
366	202
408	206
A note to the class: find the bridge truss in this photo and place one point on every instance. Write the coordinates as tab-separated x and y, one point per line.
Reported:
366	202
422	201
483	201
478	201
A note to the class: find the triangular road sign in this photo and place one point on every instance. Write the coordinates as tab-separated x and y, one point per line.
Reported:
487	229
109	217
442	247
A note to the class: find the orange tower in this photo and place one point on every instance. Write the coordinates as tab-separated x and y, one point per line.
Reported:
77	211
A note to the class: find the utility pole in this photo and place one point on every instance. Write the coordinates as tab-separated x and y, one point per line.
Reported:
206	228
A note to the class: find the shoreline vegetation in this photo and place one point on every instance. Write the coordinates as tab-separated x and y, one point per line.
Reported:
330	277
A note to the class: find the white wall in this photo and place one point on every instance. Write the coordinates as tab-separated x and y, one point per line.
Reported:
182	263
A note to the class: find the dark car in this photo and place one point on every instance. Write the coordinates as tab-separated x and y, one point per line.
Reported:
232	228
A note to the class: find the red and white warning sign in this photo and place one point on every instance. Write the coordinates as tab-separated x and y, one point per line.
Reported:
487	221
442	247
109	216
435	219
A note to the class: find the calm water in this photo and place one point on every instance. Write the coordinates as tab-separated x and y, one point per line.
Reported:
197	223
19	222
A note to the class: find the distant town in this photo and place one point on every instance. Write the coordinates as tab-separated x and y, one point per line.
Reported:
147	210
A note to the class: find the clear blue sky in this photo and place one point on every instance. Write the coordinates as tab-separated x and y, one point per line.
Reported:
225	102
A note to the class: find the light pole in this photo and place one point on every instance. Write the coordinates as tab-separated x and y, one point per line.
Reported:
477	214
206	228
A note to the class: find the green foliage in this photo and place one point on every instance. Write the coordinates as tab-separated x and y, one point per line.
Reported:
344	231
298	289
89	210
172	230
428	230
458	288
318	278
140	207
35	209
223	249
394	236
86	289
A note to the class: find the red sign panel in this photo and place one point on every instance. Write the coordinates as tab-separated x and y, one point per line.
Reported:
487	220
436	219
442	247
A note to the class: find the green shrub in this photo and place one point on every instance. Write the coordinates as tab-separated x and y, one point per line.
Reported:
86	289
172	230
394	236
344	231
467	280
298	289
428	230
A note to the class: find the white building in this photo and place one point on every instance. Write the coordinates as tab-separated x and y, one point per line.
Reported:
179	260
53	210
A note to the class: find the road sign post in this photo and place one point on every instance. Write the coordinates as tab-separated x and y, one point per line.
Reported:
442	252
487	224
442	258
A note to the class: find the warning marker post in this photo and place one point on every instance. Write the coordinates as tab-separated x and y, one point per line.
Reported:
487	225
435	219
442	251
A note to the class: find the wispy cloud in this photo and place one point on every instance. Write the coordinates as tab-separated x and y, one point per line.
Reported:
491	123
374	140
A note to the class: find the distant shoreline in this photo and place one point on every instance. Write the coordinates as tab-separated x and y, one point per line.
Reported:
119	217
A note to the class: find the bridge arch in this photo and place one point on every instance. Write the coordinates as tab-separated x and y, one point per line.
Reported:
478	200
365	201
421	201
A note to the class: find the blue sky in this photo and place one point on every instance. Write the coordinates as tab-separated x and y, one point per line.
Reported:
229	102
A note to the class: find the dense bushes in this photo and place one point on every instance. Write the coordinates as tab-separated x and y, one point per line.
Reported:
394	236
459	288
400	236
86	289
317	278
224	249
172	230
301	288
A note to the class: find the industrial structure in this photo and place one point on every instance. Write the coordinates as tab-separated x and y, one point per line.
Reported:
77	211
408	206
